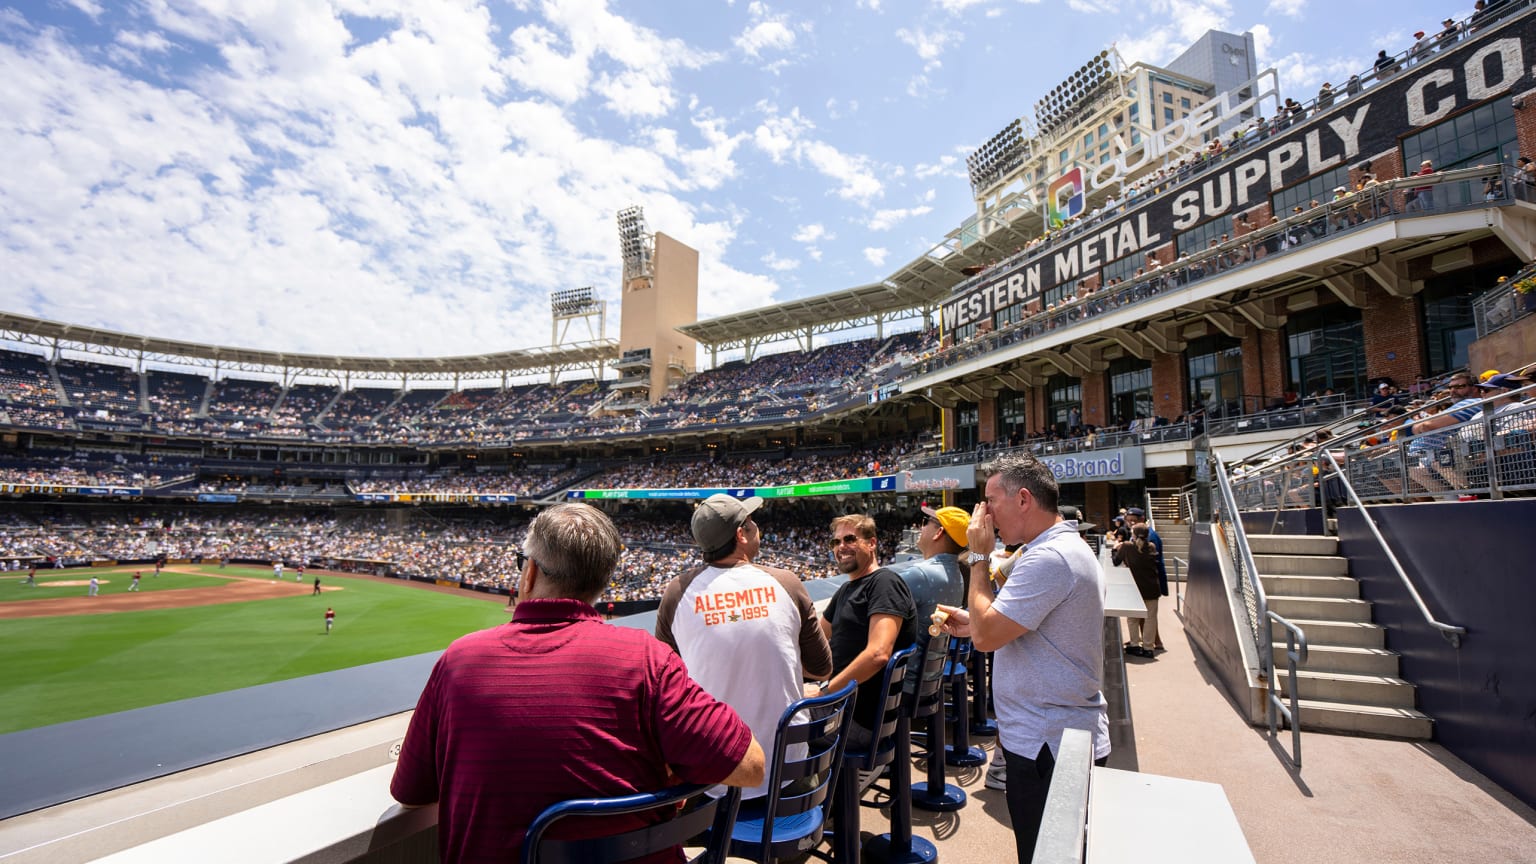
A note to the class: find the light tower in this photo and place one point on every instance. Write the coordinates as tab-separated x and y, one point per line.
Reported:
660	293
566	307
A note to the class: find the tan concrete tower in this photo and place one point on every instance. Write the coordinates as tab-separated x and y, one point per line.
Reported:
661	292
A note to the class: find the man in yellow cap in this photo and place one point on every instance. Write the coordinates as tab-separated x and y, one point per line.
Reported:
938	577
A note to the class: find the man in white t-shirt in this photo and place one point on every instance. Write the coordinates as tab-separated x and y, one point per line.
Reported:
748	633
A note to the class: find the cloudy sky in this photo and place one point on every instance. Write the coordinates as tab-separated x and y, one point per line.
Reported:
413	177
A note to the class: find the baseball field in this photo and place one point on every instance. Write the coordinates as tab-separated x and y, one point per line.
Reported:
199	629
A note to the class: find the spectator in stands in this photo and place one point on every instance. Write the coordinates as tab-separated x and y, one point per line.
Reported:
1422	197
1137	516
1140	557
1044	624
494	743
1428	443
870	618
748	634
936	578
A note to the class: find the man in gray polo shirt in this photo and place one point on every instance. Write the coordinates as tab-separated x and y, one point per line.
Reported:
1044	625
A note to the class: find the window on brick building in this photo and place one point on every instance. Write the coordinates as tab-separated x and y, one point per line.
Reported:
1318	187
1130	390
1012	416
1216	375
967	424
1063	402
1200	236
1445	313
1325	349
1485	135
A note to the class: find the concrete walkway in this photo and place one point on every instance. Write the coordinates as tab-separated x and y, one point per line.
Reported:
1354	799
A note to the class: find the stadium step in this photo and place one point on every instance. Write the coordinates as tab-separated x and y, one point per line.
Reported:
1351	688
1301	565
1346	634
1341	587
1350	660
1321	715
1290	544
1321	608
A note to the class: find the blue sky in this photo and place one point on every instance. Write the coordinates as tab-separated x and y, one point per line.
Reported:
387	177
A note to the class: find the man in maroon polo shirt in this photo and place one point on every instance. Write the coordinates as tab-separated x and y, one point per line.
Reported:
556	705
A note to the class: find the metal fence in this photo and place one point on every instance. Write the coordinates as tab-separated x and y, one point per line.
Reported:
1502	306
1493	454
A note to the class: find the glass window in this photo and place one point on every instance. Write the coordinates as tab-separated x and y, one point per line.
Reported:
1130	390
1216	375
1012	416
1318	187
967	422
1184	103
1325	350
1200	236
1064	403
1484	135
1103	130
1088	140
1168	115
1445	309
1134	110
1168	98
1121	268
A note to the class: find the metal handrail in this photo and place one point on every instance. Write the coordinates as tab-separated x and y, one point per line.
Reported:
1451	632
1295	655
1247	571
1179	566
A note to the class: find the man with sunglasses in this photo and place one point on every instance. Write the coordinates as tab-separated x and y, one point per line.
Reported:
870	618
1428	446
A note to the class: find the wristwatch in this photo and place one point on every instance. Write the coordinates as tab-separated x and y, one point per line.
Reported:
974	558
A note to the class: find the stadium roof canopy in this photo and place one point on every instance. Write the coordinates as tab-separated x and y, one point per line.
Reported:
72	337
915	289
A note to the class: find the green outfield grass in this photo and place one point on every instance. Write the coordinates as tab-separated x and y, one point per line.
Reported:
69	667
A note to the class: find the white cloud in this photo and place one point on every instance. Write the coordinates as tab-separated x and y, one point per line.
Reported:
787	136
884	220
767	31
873	5
419	194
929	44
955	7
813	233
774	262
1289	8
89	7
1174	26
876	255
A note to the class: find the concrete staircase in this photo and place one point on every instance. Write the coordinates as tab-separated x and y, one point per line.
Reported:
1350	682
1174	530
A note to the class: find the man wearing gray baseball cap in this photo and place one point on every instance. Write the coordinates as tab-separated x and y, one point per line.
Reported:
748	633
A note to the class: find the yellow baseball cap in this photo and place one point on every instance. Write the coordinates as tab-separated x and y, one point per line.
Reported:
954	521
1488	373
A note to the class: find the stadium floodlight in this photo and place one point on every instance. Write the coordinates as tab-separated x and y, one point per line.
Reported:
635	243
572	301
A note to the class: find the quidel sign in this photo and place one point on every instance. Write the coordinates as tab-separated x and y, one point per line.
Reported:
1486	66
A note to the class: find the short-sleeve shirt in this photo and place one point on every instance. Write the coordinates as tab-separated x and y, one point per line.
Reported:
748	635
1048	679
555	705
882	592
1429	442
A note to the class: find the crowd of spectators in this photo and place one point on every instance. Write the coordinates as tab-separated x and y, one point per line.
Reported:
776	386
480	550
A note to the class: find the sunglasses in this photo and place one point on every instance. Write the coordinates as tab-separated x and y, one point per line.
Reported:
845	540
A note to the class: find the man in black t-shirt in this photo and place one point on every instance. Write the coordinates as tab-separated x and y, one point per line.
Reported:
866	621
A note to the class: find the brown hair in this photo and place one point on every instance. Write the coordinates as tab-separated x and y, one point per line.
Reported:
859	522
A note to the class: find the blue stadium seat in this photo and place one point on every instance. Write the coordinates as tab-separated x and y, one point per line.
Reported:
715	815
925	700
880	752
790	820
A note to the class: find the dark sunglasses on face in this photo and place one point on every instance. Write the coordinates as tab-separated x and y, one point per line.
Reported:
844	540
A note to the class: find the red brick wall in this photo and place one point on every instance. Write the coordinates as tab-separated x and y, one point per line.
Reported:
1393	342
1095	402
1254	383
1036	412
1169	384
986	420
1098	504
1525	128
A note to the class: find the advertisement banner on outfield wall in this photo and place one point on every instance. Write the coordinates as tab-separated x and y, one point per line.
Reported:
1493	63
937	479
852	486
1093	465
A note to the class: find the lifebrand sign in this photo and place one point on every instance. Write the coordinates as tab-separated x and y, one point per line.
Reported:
1488	65
1123	464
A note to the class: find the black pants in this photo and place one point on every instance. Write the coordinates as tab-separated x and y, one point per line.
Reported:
1029	781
